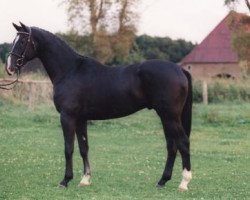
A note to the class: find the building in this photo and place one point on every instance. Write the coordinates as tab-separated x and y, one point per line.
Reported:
214	56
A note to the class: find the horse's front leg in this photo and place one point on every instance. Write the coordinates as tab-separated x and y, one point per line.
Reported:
82	137
68	126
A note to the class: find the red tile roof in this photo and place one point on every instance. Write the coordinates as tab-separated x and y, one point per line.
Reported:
217	46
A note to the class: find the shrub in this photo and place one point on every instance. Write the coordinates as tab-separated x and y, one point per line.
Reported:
223	90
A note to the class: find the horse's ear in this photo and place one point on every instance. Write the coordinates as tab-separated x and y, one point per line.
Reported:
18	28
25	28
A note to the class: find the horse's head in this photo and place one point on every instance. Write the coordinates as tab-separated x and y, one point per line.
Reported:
22	51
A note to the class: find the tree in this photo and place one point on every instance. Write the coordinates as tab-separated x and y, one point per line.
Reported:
4	50
81	43
143	47
241	41
163	48
112	32
239	26
232	3
123	37
84	16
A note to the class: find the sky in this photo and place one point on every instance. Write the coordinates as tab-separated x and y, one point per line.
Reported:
191	20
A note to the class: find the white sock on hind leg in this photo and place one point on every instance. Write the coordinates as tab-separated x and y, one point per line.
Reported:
186	178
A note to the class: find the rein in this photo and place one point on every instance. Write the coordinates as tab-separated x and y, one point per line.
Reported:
11	85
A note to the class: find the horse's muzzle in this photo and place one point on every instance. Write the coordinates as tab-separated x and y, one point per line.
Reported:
11	70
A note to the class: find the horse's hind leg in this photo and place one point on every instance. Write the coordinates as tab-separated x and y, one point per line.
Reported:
183	146
176	138
82	137
172	150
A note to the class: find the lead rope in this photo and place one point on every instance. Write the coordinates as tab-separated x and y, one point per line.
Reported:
12	84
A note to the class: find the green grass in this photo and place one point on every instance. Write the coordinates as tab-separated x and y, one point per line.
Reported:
127	156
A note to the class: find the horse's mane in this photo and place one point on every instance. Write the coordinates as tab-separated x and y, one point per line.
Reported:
57	39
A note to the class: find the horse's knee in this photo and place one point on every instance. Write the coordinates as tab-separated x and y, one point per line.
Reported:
84	149
171	146
69	150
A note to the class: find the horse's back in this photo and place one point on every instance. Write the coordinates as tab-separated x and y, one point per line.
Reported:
163	70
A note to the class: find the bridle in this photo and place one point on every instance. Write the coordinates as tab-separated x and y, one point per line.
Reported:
20	61
21	57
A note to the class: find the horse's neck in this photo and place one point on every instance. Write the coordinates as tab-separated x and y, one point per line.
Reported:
57	58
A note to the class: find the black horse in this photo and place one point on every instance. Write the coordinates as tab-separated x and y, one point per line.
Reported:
85	89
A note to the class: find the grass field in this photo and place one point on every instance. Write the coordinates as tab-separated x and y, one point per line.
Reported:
127	156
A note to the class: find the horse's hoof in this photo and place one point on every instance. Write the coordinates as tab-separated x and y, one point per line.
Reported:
161	183
159	186
182	189
85	181
62	186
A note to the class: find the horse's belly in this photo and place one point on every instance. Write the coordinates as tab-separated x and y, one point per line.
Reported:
110	111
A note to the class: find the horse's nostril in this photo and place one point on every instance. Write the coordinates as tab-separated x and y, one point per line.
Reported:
10	70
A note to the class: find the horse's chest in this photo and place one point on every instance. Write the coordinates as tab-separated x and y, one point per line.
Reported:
67	100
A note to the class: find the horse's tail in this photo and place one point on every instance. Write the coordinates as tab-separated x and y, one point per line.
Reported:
186	116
